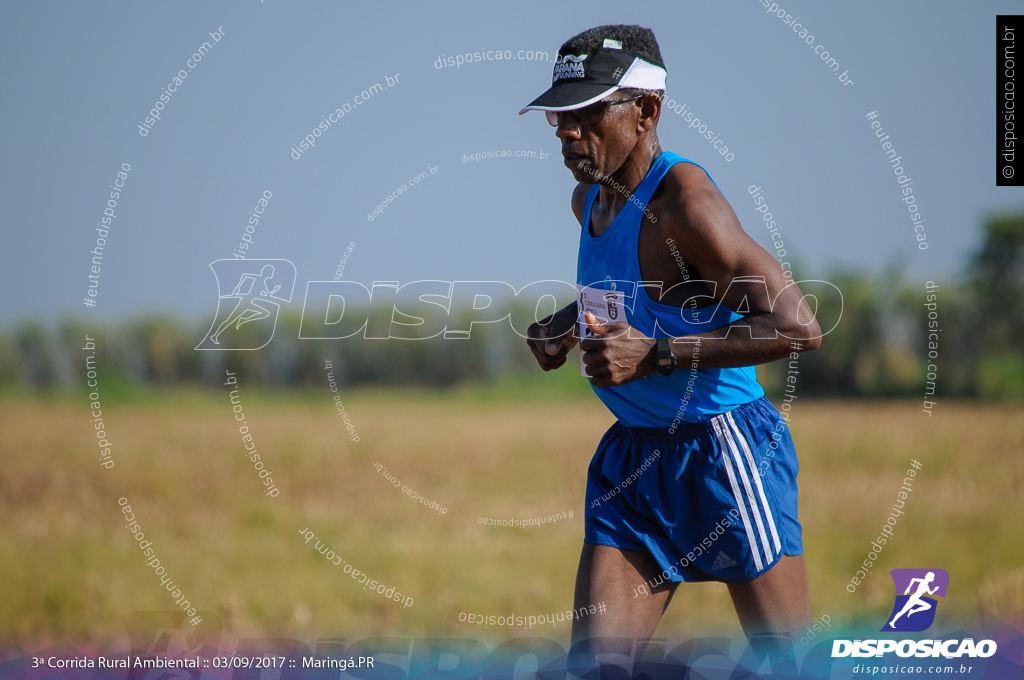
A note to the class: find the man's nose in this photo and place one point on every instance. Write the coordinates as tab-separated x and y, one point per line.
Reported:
568	127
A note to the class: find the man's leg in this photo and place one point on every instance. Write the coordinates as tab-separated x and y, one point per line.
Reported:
620	579
774	607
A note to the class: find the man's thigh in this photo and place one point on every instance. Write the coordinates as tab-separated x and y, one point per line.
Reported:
614	582
776	602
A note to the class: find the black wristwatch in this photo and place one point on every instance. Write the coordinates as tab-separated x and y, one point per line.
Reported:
664	360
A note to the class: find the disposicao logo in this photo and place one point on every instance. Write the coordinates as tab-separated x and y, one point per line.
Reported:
914	611
257	288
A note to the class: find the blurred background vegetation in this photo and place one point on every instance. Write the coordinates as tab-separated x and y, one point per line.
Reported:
878	350
476	426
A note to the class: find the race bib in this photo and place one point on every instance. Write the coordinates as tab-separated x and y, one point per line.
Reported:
606	305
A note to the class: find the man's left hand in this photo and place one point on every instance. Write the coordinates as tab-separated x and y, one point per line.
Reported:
616	353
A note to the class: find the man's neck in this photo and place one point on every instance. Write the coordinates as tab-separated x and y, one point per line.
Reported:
629	176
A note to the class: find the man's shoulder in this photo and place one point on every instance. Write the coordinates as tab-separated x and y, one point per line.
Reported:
686	188
686	176
579	200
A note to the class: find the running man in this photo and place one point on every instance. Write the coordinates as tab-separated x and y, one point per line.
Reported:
914	603
682	384
253	309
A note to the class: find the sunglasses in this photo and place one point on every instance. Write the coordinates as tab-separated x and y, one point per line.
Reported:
588	115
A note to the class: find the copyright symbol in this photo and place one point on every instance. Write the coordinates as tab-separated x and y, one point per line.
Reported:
1007	171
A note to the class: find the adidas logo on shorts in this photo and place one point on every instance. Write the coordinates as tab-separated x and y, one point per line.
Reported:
722	561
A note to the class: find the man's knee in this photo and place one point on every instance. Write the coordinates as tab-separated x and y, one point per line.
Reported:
777	648
616	658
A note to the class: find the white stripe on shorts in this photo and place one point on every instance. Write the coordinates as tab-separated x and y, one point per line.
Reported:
737	495
757	482
755	510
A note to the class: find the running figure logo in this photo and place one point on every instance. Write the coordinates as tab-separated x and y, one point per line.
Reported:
914	610
257	289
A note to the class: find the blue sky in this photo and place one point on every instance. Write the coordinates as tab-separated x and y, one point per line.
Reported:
80	78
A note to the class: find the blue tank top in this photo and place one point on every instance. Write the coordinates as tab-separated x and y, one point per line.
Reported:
610	262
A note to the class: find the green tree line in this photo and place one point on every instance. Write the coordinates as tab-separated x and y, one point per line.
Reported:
879	349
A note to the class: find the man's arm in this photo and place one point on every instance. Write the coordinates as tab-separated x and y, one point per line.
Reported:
747	280
745	277
551	339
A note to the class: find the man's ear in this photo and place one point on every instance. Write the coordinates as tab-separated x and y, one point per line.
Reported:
650	112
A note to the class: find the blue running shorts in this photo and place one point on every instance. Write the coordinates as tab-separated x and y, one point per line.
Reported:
710	501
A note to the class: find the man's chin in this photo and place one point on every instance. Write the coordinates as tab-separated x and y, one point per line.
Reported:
581	170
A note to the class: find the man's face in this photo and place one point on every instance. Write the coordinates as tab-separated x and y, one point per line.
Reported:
599	149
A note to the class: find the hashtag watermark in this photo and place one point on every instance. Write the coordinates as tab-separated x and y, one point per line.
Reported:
152	561
524	522
103	228
903	181
528	622
886	535
789	397
791	377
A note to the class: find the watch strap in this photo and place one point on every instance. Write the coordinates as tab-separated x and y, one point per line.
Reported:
664	360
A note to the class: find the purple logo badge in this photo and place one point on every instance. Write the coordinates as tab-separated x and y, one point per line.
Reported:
914	610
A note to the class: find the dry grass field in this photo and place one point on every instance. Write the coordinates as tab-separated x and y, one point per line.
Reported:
71	570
